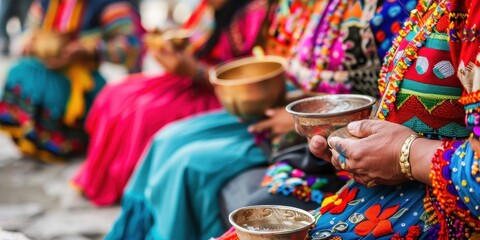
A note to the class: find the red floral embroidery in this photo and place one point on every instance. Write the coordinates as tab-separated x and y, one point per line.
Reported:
412	234
339	204
377	223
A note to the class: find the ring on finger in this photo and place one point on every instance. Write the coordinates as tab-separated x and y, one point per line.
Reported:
341	157
343	161
371	183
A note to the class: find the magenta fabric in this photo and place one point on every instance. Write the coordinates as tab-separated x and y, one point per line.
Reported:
121	122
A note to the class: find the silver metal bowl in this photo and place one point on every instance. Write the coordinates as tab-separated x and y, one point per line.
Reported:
271	222
322	115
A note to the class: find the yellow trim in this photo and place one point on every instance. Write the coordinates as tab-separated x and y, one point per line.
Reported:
431	96
81	81
26	146
75	19
49	158
15	132
50	15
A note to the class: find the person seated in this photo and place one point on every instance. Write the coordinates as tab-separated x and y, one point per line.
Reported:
50	90
423	180
294	177
181	173
125	116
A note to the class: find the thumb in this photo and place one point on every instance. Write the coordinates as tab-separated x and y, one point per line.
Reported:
318	147
269	112
363	128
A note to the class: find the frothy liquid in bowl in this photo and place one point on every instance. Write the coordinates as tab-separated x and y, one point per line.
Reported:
338	107
271	227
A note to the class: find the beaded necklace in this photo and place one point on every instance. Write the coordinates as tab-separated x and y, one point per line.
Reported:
303	48
329	32
302	22
389	83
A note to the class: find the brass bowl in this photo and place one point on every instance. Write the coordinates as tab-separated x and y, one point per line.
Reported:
271	222
179	38
248	86
322	115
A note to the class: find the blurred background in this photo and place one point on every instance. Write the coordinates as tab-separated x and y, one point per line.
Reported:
36	201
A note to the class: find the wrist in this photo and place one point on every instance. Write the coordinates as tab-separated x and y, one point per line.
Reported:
200	77
421	154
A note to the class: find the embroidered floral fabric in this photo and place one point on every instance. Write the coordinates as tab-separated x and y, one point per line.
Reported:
282	178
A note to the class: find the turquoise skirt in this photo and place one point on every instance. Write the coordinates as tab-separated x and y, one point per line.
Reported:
174	191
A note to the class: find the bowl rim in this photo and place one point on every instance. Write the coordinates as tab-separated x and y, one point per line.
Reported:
178	33
222	67
371	101
240	228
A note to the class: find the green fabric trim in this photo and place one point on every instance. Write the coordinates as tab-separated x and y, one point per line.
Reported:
454	129
451	130
418	126
401	99
438	41
438	92
428	103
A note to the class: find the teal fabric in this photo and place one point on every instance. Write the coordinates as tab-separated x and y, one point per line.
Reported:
46	88
180	177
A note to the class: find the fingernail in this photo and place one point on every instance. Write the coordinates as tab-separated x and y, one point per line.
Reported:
250	129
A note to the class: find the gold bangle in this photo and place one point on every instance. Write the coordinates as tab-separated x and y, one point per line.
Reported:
405	166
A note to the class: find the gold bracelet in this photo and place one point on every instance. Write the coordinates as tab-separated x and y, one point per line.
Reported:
405	156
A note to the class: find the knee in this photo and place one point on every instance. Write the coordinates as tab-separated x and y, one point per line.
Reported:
173	132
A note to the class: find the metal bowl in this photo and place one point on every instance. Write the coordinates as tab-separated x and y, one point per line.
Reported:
178	37
271	222
324	114
248	86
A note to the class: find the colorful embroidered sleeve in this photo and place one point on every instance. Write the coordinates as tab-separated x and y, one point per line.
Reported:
121	36
455	175
250	24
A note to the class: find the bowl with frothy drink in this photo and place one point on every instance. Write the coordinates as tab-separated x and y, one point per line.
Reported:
321	115
263	222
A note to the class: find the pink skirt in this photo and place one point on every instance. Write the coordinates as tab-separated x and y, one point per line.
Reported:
122	120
